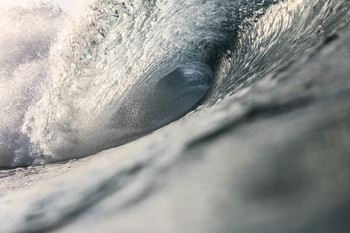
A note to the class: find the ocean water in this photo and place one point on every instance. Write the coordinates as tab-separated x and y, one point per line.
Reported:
74	84
107	74
207	116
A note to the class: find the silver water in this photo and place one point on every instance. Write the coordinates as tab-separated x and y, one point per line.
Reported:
262	149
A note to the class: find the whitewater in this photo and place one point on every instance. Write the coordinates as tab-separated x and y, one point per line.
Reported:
174	116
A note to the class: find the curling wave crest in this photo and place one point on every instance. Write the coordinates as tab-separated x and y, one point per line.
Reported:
75	82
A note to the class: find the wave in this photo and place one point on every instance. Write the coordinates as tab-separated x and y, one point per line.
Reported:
75	82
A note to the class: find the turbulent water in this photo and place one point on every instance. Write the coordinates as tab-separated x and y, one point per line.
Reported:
80	77
73	84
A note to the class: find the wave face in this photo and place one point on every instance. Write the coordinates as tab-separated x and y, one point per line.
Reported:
75	82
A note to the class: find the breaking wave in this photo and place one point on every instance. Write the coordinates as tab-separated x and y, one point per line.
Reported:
77	80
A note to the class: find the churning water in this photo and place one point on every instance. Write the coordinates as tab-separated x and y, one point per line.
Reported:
75	81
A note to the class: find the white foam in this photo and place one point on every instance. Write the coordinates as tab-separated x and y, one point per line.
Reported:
28	29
